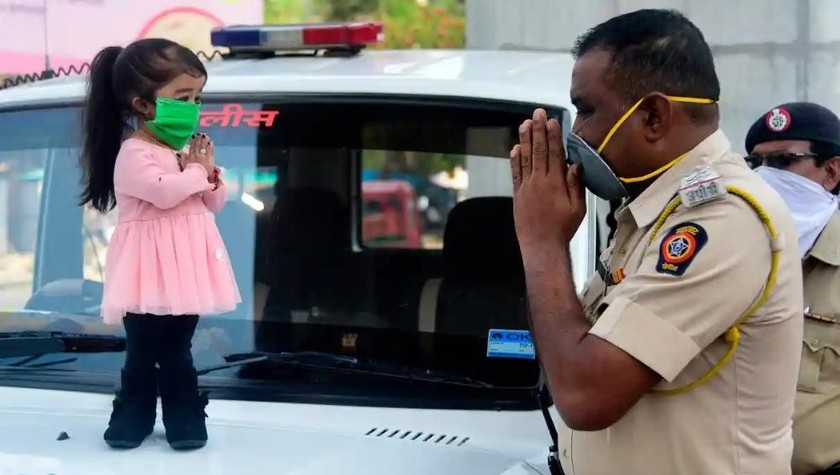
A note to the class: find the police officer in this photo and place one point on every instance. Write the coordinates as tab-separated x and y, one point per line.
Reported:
797	148
681	354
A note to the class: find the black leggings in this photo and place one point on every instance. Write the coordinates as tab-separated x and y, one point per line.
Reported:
165	340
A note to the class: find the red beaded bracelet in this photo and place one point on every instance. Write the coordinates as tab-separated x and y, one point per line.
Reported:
215	178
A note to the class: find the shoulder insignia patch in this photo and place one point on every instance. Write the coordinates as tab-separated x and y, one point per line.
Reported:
679	247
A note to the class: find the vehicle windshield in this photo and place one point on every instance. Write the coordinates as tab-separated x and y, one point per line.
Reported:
368	228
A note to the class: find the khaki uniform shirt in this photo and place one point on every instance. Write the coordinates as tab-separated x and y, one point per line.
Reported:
816	422
678	296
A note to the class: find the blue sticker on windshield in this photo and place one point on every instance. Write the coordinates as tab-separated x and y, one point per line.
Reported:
510	344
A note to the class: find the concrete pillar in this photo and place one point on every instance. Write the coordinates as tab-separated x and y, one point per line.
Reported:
766	51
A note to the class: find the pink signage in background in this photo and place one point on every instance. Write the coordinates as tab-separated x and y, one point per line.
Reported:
72	31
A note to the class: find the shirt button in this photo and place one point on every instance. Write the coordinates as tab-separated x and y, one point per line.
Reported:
219	254
815	342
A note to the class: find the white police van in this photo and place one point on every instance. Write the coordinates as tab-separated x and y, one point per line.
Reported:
369	221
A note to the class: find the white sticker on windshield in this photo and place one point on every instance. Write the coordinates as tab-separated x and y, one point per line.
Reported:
510	344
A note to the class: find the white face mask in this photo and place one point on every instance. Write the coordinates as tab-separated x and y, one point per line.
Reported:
809	203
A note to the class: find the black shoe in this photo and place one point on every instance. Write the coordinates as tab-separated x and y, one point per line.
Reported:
183	411
134	413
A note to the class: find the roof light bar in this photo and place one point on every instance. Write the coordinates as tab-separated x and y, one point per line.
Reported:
297	37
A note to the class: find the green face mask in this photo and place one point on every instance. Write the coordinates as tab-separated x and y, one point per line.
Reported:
175	121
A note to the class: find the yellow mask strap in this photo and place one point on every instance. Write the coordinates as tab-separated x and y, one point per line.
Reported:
618	124
690	100
654	173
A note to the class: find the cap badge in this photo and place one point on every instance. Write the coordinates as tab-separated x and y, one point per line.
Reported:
778	120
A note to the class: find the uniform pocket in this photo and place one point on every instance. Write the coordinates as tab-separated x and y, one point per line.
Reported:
819	371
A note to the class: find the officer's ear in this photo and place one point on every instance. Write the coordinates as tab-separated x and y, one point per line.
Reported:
832	174
657	114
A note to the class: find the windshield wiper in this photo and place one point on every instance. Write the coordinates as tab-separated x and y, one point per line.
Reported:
34	344
350	364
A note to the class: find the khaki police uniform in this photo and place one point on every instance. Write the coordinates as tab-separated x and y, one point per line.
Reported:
816	422
669	302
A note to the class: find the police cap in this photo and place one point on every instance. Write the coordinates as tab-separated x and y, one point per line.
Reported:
795	121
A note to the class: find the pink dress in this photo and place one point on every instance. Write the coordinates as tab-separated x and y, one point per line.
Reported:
166	256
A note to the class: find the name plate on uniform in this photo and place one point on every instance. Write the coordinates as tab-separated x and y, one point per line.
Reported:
510	344
701	186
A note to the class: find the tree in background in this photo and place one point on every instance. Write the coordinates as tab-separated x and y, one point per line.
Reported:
345	10
407	23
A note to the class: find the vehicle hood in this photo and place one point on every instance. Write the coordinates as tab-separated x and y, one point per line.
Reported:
244	438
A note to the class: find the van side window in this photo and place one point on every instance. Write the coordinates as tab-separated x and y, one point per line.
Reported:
97	229
390	221
21	182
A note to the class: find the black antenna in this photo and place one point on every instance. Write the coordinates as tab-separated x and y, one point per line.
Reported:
46	74
74	70
216	54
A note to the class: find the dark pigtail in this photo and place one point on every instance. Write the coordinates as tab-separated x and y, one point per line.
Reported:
104	128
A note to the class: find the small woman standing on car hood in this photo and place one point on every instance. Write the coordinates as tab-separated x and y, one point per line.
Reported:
166	262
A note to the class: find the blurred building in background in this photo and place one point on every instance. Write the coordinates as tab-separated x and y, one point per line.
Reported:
766	51
36	35
41	34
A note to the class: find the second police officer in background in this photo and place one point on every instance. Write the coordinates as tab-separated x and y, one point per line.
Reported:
797	149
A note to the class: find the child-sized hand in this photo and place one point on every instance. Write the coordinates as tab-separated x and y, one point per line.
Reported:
201	151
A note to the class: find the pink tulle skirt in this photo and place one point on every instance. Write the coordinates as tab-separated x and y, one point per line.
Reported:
174	265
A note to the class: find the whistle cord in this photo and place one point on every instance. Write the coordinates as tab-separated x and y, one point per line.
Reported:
733	334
